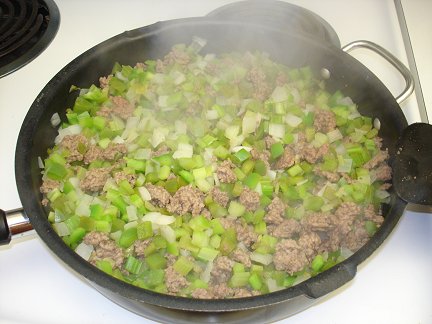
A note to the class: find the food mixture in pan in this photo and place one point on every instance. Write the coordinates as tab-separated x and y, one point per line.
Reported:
214	176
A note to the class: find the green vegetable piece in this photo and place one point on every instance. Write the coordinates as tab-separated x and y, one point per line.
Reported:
187	176
239	279
56	171
228	241
317	263
260	168
370	227
128	237
155	261
200	239
105	266
295	170
133	265
252	180
276	150
217	227
241	155
313	203
183	266
77	235
207	253
144	230
236	209
255	281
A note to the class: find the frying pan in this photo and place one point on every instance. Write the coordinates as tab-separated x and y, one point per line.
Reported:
151	42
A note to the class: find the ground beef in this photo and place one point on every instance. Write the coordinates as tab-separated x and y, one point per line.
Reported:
242	257
160	66
159	195
356	238
219	196
174	281
259	81
330	176
177	55
275	212
225	172
289	257
93	153
187	199
121	107
245	233
95	179
105	248
110	153
72	143
380	157
345	216
140	246
163	149
221	290
310	242
269	141
286	160
243	292
222	268
318	221
141	65
104	81
121	175
49	185
262	156
312	154
114	150
250	199
287	229
370	214
227	222
325	121
281	79
383	172
104	111
202	293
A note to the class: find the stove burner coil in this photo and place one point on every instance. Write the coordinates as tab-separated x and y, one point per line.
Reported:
26	29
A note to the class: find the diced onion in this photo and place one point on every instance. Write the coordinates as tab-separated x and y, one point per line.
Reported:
293	120
276	130
158	218
168	233
265	259
61	229
240	147
71	130
131	211
159	135
334	135
212	114
279	94
232	131
142	154
84	250
130	225
272	285
55	120
180	127
144	193
184	150
40	163
345	166
206	274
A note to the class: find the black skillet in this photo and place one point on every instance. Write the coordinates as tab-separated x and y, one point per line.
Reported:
293	49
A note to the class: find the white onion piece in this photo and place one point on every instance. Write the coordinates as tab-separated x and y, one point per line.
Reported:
272	285
144	193
61	229
71	130
158	218
240	147
168	233
279	94
84	250
143	154
55	120
206	274
184	150
265	259
130	225
293	120
334	135
277	130
40	163
131	211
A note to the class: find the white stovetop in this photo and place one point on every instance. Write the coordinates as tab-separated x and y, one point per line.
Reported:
393	286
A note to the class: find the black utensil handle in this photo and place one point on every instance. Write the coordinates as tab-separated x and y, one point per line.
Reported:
5	233
331	280
412	166
13	222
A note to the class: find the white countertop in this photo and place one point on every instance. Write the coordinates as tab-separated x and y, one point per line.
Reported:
393	286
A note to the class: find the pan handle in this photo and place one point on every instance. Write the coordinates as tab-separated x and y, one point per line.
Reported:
331	280
393	60
13	222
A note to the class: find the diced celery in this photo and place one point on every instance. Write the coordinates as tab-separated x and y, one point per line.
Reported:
276	150
128	237
236	209
183	266
239	279
207	253
155	261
